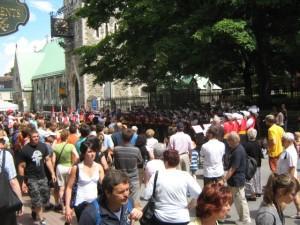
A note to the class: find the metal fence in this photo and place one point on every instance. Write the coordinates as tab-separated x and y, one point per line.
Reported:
125	103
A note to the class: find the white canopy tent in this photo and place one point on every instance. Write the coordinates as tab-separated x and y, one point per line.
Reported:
4	106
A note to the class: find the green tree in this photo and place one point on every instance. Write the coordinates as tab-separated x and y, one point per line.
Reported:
157	41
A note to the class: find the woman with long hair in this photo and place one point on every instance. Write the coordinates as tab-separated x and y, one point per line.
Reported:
65	155
213	204
279	192
90	174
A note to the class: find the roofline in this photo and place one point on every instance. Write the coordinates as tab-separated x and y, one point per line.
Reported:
6	89
56	73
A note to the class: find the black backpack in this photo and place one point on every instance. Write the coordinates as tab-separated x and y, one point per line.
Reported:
251	166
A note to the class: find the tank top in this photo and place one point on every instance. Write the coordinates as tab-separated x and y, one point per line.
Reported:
87	186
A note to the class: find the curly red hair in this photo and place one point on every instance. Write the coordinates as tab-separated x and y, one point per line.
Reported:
212	198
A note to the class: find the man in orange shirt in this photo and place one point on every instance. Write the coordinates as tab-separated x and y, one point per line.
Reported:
73	137
275	148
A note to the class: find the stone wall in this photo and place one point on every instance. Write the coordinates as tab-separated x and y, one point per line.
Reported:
83	35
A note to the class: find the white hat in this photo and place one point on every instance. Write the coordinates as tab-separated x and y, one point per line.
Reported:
49	133
228	115
237	116
253	109
245	113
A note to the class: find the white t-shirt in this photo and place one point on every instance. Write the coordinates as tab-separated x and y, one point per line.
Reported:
287	159
9	164
171	202
150	143
152	166
213	152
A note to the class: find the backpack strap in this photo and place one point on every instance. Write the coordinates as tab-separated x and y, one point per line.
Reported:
129	205
3	161
95	204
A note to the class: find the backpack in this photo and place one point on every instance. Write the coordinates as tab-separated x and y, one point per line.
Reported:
251	166
95	204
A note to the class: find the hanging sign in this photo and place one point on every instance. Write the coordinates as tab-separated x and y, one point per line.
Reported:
12	14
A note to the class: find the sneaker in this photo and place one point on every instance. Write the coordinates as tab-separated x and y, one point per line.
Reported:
296	217
43	222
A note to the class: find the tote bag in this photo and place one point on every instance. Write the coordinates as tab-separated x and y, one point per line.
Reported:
9	201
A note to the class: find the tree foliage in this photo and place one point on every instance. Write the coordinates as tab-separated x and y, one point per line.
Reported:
158	41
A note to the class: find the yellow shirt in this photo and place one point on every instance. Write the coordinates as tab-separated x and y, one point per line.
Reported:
275	133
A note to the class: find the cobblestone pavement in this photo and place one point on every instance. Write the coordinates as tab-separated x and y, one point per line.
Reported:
54	218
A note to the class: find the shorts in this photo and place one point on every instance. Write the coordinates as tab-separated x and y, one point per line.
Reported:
39	191
62	174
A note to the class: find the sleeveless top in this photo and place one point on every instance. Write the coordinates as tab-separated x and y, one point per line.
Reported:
87	186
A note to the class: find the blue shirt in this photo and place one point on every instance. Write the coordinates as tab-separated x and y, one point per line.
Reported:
194	160
78	144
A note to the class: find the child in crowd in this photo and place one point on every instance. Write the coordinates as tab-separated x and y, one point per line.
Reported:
194	160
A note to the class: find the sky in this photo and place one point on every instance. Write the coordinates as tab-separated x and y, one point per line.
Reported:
30	37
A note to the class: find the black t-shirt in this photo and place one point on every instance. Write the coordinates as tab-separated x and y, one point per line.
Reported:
238	161
34	157
254	150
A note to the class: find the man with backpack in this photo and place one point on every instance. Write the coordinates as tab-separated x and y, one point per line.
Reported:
114	206
236	176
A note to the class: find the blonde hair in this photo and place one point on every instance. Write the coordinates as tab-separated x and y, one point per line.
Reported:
150	133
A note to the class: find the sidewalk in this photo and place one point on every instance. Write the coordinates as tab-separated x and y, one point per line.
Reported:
52	218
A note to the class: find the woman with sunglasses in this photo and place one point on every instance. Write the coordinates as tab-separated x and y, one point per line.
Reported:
279	192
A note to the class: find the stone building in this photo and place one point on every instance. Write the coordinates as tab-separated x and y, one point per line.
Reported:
6	88
81	90
48	82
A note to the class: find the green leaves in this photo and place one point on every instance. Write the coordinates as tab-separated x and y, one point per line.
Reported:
235	31
158	41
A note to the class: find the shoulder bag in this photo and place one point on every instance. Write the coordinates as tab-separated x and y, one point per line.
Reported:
148	210
74	188
9	201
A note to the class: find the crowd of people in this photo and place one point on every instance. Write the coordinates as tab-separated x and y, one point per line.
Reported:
95	163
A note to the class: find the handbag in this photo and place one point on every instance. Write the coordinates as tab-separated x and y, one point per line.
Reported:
9	201
148	210
74	188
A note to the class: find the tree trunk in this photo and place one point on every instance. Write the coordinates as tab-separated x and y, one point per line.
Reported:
263	74
261	64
